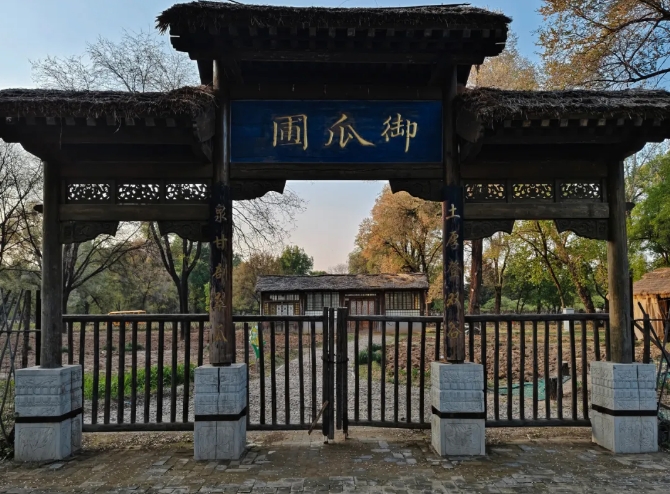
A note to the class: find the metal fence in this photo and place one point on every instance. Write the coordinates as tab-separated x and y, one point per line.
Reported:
328	371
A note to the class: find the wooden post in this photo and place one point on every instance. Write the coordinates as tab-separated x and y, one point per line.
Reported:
222	332
617	268
52	271
452	237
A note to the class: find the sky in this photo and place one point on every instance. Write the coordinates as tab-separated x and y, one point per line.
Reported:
33	29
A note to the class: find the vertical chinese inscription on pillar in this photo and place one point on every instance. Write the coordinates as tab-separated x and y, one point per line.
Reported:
453	289
222	333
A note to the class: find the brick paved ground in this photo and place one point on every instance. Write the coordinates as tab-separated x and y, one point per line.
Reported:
369	461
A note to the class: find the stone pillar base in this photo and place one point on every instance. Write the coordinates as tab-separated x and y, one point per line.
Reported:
458	421
623	407
220	431
48	408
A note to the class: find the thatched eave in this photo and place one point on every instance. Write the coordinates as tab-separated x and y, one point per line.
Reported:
198	15
496	105
185	102
343	282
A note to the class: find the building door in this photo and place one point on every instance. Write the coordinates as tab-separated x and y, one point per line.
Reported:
366	306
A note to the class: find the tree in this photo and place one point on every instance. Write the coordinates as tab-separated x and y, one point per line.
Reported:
650	225
509	70
600	43
295	261
342	268
187	260
496	257
142	62
20	180
83	261
245	277
403	234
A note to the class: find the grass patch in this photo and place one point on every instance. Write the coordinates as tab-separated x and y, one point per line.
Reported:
141	377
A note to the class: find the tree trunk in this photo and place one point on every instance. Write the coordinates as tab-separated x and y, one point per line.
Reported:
498	299
183	303
474	305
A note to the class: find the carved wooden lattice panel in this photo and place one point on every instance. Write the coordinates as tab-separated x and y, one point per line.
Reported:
136	192
482	192
88	192
191	192
533	192
582	191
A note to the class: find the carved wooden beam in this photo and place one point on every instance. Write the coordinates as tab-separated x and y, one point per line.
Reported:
430	190
596	229
197	231
243	190
80	231
474	230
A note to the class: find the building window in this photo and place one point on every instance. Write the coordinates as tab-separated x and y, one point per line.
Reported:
403	301
319	300
276	297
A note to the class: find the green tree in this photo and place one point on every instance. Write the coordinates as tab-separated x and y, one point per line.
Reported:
295	261
650	219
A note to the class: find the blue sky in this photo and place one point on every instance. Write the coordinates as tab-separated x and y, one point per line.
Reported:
33	29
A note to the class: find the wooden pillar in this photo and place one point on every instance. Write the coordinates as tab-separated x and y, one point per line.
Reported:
52	271
617	268
452	237
222	333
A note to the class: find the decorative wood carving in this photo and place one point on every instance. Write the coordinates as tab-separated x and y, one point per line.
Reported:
476	229
596	229
197	231
81	231
430	190
243	190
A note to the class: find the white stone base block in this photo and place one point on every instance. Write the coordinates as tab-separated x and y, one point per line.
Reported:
220	440
458	437
625	434
47	393
617	392
458	389
220	391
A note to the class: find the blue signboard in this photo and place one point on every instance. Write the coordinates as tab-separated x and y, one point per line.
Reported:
336	131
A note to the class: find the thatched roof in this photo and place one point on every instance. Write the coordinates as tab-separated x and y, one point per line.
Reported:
339	282
656	283
186	101
198	15
490	105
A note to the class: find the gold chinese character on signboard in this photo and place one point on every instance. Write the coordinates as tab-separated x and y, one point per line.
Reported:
346	133
220	272
290	131
220	213
220	242
218	303
399	127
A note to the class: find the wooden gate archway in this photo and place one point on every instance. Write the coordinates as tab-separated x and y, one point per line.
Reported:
182	157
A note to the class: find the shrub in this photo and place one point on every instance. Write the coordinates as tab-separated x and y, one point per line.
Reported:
129	347
141	378
364	355
63	349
